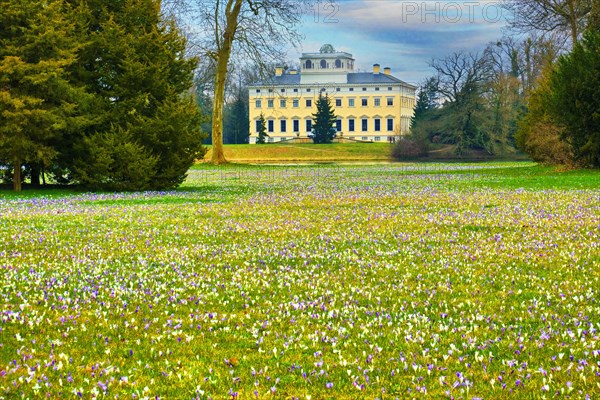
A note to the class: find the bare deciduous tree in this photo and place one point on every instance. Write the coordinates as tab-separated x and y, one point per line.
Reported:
463	83
255	31
460	73
550	16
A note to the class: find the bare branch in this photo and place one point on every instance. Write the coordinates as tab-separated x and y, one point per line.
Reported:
247	31
549	16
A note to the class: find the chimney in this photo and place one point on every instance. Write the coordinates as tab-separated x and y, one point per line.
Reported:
376	68
278	71
293	72
387	71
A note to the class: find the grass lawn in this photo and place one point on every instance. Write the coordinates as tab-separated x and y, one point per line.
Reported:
282	152
349	152
390	280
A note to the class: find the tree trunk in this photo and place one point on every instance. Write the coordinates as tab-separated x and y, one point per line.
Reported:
223	54
35	175
528	76
594	20
17	175
217	116
573	21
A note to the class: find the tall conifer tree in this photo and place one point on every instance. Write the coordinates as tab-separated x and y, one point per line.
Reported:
324	121
37	45
261	130
574	98
145	134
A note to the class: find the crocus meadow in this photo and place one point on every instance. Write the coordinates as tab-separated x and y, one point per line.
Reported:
305	282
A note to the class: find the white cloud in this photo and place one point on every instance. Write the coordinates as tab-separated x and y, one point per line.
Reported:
404	35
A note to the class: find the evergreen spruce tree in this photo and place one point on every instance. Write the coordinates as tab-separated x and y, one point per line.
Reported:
37	98
323	121
261	130
426	101
236	128
145	132
574	99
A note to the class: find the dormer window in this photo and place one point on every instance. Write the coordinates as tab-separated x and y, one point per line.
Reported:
323	64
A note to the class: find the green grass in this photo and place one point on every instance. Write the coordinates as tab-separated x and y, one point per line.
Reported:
322	280
341	152
282	152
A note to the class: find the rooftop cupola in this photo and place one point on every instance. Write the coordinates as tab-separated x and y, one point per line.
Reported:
326	66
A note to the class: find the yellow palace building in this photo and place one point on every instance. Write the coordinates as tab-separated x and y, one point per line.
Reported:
370	106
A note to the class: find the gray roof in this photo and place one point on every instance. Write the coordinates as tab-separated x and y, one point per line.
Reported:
369	77
283	80
353	78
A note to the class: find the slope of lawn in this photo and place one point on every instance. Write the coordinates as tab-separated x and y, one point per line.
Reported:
281	152
342	152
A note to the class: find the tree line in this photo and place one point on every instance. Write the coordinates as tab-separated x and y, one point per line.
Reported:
98	93
95	93
536	89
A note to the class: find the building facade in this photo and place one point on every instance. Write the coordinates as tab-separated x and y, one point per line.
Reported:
370	106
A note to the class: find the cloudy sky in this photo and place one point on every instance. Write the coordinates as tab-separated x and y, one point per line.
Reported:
404	35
